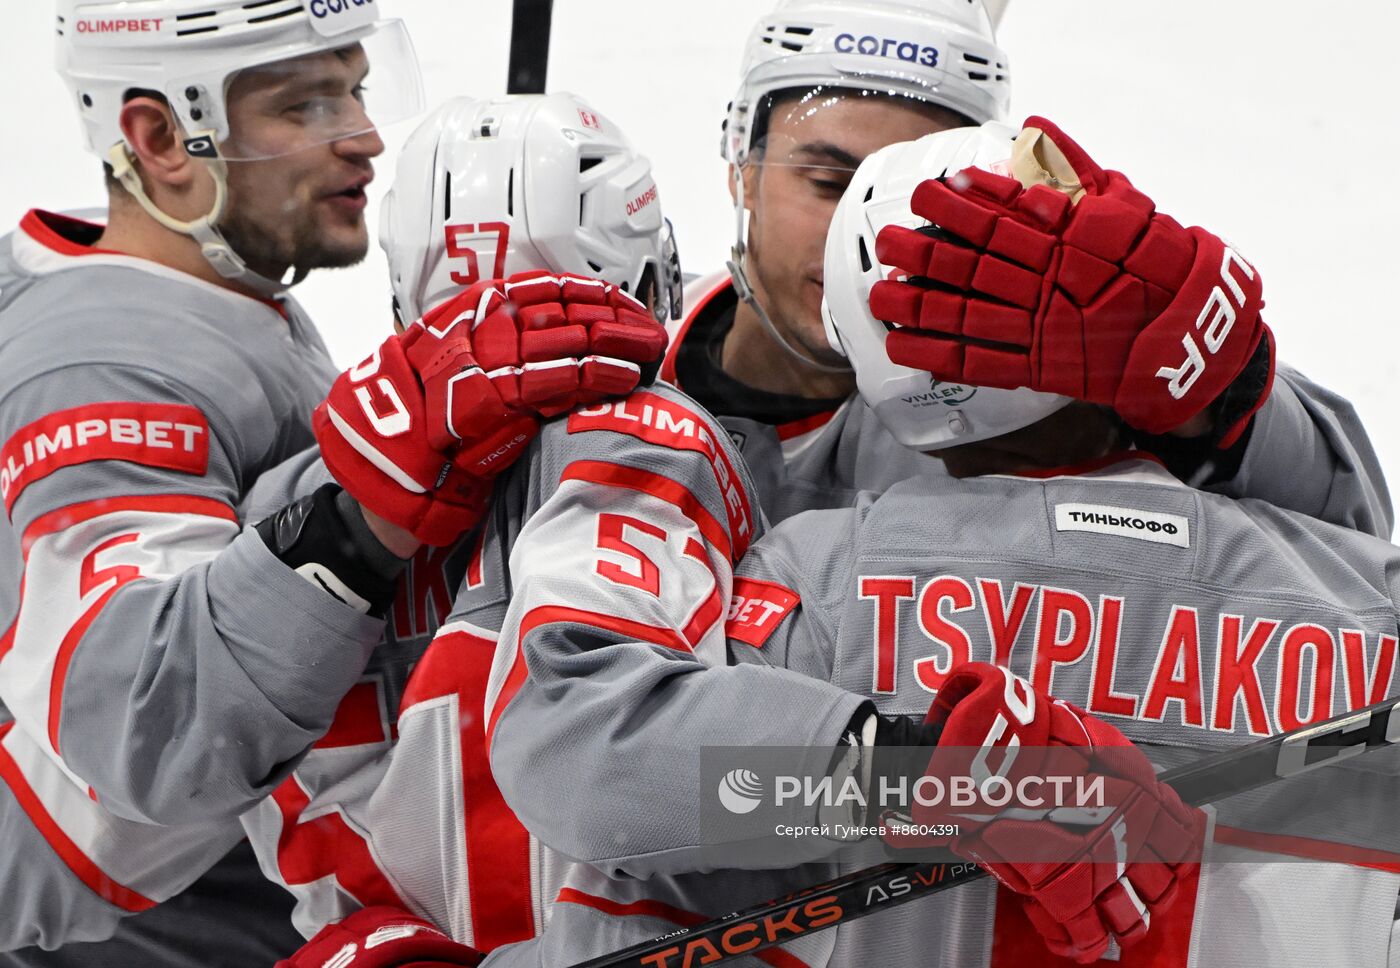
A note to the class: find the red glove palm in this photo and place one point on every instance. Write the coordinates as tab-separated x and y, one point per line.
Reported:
1085	873
1106	300
382	937
418	432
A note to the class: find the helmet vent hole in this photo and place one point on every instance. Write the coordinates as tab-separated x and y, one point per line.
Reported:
793	37
595	266
447	195
976	76
275	15
584	164
869	194
974	59
510	193
198	15
195	30
865	264
582	202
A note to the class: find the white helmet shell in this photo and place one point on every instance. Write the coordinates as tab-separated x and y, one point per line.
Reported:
940	51
920	411
187	50
488	188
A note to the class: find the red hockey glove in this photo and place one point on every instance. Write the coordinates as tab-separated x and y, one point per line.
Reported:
382	937
1104	299
1085	873
418	432
553	342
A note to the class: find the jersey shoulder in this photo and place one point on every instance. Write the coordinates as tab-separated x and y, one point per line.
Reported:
115	363
658	441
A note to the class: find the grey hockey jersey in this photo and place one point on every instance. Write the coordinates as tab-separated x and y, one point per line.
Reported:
1188	620
622	523
491	882
160	665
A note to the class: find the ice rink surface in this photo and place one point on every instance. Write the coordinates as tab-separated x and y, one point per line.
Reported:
1268	121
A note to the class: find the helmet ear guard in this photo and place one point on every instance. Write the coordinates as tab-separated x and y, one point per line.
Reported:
920	411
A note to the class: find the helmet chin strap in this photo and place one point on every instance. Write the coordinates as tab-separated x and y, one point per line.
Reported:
744	289
212	245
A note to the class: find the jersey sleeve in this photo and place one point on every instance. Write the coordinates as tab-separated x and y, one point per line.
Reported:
611	673
289	481
162	657
75	870
1308	452
788	591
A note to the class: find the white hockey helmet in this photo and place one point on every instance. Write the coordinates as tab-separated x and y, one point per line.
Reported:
920	411
190	50
487	188
939	51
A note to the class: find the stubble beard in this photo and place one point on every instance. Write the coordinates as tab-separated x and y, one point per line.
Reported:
789	325
271	252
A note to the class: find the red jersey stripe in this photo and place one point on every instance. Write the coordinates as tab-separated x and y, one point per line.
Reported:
796	428
78	862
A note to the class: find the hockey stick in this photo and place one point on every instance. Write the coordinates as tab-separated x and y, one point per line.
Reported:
1210	779
529	46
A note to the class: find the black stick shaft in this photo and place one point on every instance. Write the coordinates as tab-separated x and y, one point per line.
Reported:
529	46
1213	778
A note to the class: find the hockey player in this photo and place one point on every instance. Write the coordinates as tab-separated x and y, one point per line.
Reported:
823	84
395	805
166	668
1178	616
611	552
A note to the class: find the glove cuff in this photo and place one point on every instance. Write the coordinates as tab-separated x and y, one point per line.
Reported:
1236	407
333	548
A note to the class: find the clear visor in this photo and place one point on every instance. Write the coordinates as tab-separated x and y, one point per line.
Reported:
809	142
302	102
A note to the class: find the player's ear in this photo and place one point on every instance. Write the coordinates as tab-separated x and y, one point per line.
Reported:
154	137
750	174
